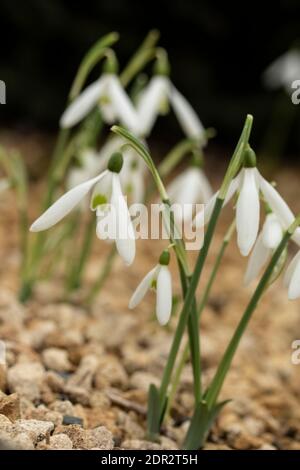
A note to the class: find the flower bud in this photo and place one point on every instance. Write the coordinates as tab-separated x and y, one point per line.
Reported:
115	162
164	258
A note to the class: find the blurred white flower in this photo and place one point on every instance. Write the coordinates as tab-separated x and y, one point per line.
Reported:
283	71
107	194
186	190
266	243
114	103
159	278
152	101
292	278
247	185
89	166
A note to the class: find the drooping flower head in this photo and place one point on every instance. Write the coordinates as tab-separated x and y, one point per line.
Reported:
247	186
158	95
160	279
108	93
121	229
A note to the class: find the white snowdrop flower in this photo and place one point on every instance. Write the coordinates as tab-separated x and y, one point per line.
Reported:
283	71
267	241
154	99
160	278
247	186
121	230
292	278
186	190
114	103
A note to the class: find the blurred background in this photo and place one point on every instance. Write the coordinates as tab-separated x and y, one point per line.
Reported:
218	52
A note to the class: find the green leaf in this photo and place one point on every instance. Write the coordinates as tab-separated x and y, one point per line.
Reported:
154	414
201	424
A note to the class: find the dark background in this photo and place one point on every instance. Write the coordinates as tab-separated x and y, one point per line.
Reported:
218	51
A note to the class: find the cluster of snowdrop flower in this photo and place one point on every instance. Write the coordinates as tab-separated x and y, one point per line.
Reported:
119	170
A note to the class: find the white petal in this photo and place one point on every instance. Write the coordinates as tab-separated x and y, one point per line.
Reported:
258	258
64	205
103	188
272	231
143	287
186	115
247	212
276	202
108	111
290	270
125	237
149	102
123	107
294	285
163	295
82	105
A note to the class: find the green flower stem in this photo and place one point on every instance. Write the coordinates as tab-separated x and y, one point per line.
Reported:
233	167
79	265
92	57
194	338
187	303
143	55
218	380
186	352
215	268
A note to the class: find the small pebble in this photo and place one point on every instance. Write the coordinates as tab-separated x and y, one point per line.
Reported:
67	419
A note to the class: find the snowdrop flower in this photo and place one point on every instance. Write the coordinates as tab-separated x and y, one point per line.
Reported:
121	230
188	188
160	278
283	71
108	93
247	186
158	94
266	243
